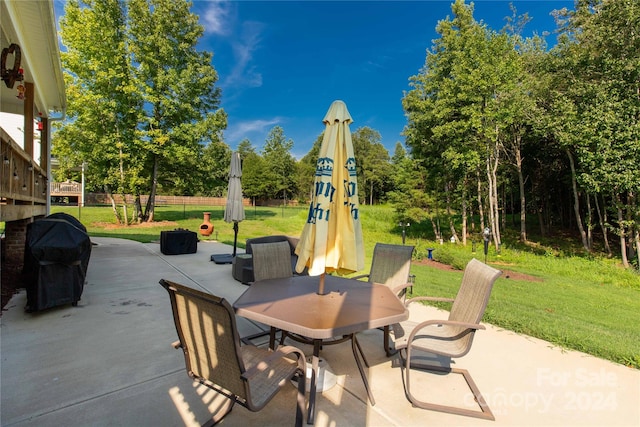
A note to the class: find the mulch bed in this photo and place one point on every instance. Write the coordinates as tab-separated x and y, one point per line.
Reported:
507	274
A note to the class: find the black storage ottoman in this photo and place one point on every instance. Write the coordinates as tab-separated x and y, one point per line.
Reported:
178	242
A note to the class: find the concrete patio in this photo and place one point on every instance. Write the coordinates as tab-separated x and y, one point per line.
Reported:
108	362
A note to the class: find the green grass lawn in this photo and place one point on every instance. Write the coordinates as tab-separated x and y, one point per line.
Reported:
590	304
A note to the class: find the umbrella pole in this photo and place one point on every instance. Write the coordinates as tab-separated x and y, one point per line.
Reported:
235	237
321	285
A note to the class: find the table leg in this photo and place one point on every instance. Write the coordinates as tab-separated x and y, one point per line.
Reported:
355	347
312	386
272	338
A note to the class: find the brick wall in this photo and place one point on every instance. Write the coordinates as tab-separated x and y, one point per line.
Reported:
15	235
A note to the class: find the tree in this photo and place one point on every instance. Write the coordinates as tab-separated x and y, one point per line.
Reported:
279	173
412	196
177	82
142	99
454	111
245	148
517	101
103	103
306	170
214	172
372	163
251	167
596	71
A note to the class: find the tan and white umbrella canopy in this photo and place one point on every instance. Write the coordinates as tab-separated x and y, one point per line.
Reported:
331	240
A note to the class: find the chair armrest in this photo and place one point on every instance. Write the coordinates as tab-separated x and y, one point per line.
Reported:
424	324
361	276
293	242
399	290
409	343
243	260
281	352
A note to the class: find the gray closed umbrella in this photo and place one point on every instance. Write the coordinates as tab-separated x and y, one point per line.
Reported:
234	210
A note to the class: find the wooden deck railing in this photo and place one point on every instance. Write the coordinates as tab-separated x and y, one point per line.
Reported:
22	183
68	188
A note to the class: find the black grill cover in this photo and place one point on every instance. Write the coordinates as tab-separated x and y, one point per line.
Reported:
56	254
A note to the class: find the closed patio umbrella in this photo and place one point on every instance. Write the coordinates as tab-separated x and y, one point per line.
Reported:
331	240
234	210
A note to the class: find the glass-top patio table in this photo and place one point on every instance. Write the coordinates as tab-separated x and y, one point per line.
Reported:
348	306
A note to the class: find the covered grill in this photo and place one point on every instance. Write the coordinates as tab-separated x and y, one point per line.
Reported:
57	252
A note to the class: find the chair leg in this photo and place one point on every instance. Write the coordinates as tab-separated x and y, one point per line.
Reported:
485	412
355	347
301	405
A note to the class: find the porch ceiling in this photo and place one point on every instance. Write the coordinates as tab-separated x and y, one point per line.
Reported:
31	24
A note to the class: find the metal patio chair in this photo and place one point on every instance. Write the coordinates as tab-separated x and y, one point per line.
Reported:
450	338
214	356
270	261
390	266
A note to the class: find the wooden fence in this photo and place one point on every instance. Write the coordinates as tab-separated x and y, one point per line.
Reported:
102	199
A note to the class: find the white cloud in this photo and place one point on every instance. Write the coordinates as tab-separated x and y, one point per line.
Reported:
217	17
252	128
220	17
244	73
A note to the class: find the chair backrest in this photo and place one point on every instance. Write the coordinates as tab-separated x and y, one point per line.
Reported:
473	295
206	328
271	239
271	260
391	264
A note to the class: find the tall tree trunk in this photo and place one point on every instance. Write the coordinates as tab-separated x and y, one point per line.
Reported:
151	203
480	207
494	214
543	231
138	207
502	200
371	193
636	234
439	234
452	227
464	209
114	207
436	228
602	220
623	240
637	241
523	202
125	214
123	188
576	202
589	223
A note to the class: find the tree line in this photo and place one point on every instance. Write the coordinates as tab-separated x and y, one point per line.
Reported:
501	123
497	123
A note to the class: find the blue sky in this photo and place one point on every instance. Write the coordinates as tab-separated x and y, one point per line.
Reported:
282	63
